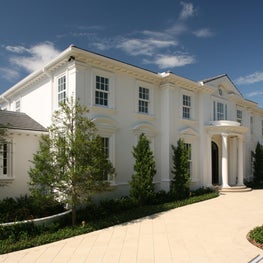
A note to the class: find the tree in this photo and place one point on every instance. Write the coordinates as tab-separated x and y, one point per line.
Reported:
258	164
71	163
141	184
180	184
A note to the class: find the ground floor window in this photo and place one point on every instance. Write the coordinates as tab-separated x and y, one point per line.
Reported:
5	159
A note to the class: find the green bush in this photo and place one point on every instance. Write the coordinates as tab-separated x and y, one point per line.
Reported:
26	207
256	234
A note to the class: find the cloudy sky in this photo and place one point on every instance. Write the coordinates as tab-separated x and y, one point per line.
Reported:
195	39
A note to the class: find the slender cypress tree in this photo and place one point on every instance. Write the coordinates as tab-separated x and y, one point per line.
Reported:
141	184
258	164
180	184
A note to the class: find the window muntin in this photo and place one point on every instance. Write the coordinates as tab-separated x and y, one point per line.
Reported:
239	116
62	94
186	107
102	91
144	99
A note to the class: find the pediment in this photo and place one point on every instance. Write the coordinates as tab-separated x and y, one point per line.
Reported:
188	131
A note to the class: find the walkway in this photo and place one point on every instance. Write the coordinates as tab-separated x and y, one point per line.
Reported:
207	232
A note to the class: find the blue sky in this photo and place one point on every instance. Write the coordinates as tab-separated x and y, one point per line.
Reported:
195	39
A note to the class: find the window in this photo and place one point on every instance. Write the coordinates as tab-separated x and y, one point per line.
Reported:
61	90
4	159
239	116
188	147
106	145
220	111
143	100
251	124
18	104
186	107
102	91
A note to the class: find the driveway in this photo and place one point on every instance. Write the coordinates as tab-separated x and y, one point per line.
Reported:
211	231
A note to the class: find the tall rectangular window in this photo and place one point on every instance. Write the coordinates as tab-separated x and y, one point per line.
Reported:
251	125
188	146
220	111
18	105
4	159
106	146
144	100
62	90
239	116
102	91
186	107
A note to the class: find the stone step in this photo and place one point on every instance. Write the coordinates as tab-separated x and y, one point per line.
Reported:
235	189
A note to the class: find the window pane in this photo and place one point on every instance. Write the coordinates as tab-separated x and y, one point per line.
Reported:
102	88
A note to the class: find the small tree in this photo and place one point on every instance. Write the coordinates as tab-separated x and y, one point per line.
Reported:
71	163
180	184
141	184
258	164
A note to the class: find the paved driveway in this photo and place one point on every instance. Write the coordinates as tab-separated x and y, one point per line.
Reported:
211	231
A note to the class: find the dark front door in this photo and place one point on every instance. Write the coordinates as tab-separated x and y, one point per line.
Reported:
215	167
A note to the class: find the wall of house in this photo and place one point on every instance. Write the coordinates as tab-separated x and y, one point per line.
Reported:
23	146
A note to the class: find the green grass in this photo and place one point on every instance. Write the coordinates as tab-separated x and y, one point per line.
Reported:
17	238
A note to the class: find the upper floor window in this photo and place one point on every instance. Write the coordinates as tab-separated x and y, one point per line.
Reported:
18	105
144	100
102	91
186	107
220	111
62	90
239	116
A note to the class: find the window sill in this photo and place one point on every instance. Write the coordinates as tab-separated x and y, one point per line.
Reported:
6	180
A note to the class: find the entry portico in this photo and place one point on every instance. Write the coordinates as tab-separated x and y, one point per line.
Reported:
227	156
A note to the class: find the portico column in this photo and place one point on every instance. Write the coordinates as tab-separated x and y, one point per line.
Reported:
224	162
240	175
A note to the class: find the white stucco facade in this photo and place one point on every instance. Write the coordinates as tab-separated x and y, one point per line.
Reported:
213	118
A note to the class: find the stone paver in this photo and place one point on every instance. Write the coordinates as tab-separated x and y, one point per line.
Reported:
212	231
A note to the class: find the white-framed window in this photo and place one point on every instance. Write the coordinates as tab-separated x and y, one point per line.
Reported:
188	146
239	116
5	159
144	100
102	91
18	105
186	110
106	145
219	111
62	92
251	124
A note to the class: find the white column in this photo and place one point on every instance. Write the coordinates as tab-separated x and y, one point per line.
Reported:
224	162
240	180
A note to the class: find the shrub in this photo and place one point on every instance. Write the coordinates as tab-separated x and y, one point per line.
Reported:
256	234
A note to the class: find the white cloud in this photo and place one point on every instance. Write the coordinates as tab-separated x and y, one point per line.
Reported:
187	11
9	74
147	47
250	79
36	56
205	32
254	93
171	61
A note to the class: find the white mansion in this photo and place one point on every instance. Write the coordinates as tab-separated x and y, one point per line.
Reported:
216	122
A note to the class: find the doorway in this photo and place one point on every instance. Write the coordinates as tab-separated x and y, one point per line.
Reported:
215	164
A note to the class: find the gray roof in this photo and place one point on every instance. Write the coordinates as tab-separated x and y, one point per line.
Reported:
19	121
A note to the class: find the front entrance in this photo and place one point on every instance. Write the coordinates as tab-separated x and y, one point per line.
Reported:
215	164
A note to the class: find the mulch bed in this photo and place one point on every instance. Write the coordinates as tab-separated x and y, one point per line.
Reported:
260	245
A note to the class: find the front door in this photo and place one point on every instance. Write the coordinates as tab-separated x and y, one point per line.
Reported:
215	166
